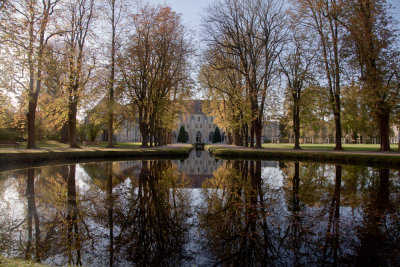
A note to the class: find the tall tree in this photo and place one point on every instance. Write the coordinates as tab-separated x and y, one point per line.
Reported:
254	32
155	69
321	16
372	31
216	136
228	97
26	28
182	138
115	14
81	14
295	66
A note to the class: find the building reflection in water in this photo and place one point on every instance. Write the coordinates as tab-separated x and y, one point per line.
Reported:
200	166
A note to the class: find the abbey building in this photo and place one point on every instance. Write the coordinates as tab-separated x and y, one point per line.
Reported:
199	126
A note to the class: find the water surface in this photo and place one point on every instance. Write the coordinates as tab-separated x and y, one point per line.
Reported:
201	212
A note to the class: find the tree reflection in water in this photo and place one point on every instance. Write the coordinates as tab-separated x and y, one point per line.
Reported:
74	238
234	216
246	222
154	228
140	213
379	234
32	214
110	205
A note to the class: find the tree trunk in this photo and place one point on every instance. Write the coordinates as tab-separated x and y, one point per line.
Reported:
230	138
34	92
110	143
252	134
384	131
145	134
246	135
237	138
296	124
64	133
143	127
110	131
152	130
31	93
398	139
338	137
72	111
258	132
31	121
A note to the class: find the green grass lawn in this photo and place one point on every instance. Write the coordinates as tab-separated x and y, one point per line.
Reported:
17	263
57	144
117	145
348	147
41	144
123	145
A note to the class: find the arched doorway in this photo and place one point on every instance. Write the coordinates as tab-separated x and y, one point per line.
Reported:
198	137
210	137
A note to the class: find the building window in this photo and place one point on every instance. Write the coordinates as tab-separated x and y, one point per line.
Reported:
198	137
198	119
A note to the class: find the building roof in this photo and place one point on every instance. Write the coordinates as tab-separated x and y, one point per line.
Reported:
194	106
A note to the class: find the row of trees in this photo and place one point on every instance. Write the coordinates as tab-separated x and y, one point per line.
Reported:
322	46
56	61
43	46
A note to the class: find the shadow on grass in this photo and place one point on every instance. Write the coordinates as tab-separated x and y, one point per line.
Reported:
346	147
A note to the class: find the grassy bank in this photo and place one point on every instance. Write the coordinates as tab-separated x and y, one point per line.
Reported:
346	147
24	156
57	144
17	263
389	159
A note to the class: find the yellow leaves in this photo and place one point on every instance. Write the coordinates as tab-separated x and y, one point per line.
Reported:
54	110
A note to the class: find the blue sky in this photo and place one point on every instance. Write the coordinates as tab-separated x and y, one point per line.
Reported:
191	9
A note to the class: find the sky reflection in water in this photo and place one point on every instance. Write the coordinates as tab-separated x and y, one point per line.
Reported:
201	212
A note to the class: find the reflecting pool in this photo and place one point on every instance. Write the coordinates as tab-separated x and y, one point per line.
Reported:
201	212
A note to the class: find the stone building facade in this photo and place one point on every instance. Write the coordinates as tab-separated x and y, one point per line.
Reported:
199	126
129	132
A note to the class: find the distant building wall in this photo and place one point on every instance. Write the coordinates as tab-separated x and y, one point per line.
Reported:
271	132
199	126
